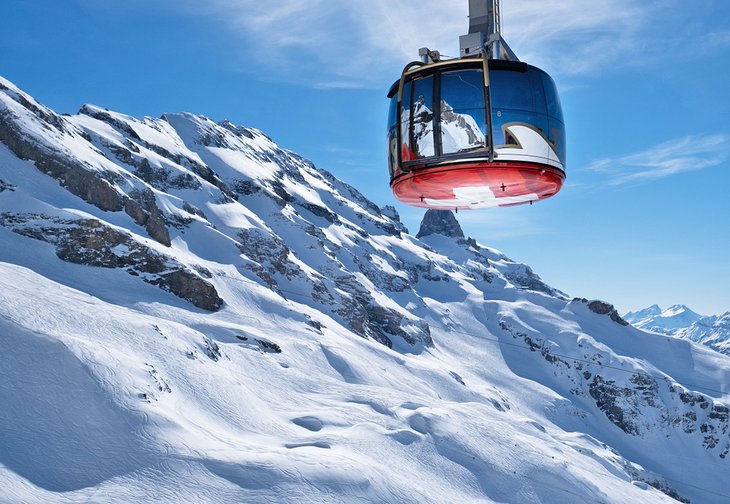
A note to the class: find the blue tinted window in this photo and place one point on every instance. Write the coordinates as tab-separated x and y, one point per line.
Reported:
511	90
518	99
538	91
392	140
462	111
405	122
553	100
501	118
393	111
557	138
526	98
556	132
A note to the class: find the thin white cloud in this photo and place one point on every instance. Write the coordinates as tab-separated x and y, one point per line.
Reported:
715	40
361	43
573	37
685	154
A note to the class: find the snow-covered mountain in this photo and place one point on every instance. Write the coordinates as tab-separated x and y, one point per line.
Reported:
666	321
189	313
459	132
681	322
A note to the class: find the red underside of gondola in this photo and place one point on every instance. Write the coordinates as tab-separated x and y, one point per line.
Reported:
504	183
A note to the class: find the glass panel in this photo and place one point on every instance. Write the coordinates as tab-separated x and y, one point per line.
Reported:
519	114
405	124
462	111
553	100
392	135
557	137
556	133
393	111
423	137
511	90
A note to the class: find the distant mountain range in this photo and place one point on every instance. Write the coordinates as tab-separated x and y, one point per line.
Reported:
681	322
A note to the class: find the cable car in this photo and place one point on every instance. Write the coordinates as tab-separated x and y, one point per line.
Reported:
484	130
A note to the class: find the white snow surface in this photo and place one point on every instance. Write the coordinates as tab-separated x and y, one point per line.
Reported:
350	362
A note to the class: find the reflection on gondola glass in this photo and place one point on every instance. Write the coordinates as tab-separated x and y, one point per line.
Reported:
405	122
392	142
423	138
462	111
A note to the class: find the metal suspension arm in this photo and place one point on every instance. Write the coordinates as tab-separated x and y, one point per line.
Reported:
485	32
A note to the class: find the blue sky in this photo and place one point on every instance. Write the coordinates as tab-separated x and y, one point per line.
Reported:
643	217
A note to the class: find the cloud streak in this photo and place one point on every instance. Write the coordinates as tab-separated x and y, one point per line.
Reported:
685	154
361	43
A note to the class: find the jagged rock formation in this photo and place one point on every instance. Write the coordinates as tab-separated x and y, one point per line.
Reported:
89	242
441	222
189	312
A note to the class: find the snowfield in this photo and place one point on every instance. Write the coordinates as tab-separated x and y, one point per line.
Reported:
189	313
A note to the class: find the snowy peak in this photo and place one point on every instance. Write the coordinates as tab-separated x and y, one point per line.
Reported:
664	321
679	310
181	181
640	315
459	132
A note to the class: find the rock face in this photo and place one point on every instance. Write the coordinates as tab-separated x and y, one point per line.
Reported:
89	242
442	222
603	308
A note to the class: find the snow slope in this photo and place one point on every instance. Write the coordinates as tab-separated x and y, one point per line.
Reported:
189	313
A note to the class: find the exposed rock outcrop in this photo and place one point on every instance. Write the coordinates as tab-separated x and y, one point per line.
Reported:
603	308
89	242
441	222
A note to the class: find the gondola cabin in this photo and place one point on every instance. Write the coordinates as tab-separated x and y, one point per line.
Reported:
475	133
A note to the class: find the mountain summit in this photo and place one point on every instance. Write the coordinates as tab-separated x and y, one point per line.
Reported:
664	321
190	313
441	222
